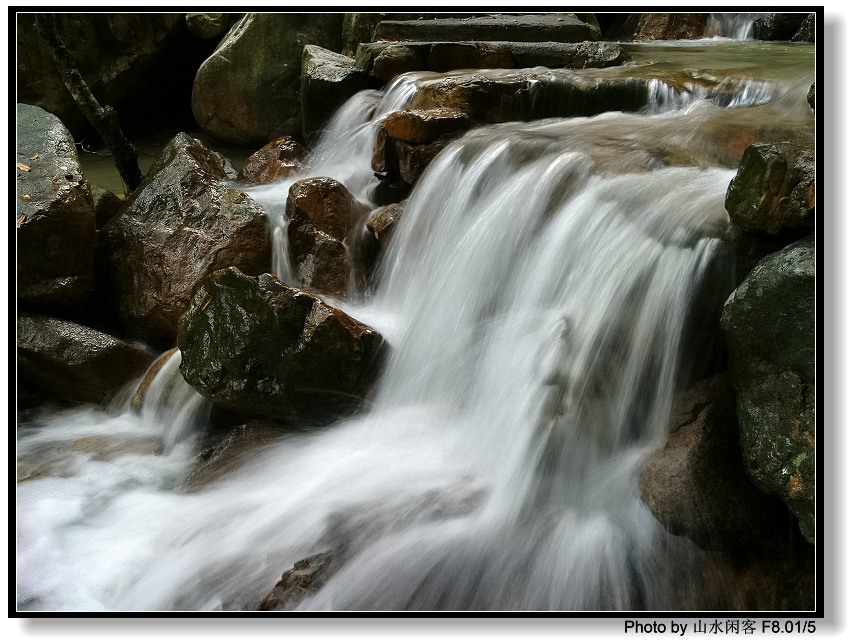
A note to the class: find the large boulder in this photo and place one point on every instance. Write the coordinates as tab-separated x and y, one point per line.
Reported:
717	507
773	189
181	224
322	216
248	91
54	214
327	81
660	26
769	326
259	347
553	27
778	26
75	363
121	56
209	25
806	31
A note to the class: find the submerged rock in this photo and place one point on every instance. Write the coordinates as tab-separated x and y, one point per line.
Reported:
54	215
769	325
75	363
181	224
773	189
261	348
248	91
280	158
307	576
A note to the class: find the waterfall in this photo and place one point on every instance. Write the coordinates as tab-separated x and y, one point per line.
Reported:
537	296
739	26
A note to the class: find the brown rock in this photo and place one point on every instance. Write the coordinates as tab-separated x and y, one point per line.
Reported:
280	158
424	125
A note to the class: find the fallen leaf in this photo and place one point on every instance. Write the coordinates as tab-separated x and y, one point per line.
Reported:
26	168
22	218
26	197
207	303
34	157
121	196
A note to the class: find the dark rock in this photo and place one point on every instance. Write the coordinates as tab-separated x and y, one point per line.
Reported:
181	224
778	26
280	158
555	27
322	216
54	215
483	98
261	348
327	80
769	327
382	222
248	91
717	506
773	189
76	363
806	31
307	576
393	61
106	203
413	159
660	26
209	25
810	96
584	55
360	27
121	56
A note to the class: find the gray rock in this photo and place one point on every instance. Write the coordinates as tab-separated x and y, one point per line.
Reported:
327	80
209	25
778	26
810	96
75	363
54	215
248	91
773	189
258	347
769	328
554	27
181	224
806	31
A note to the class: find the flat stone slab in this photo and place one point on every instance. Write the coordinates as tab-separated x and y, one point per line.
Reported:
554	27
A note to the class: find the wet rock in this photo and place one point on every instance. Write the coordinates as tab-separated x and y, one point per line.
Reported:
778	26
73	362
769	328
660	26
806	31
382	222
181	224
385	60
717	507
327	81
54	215
280	158
321	216
261	348
414	159
483	98
106	203
139	396
209	25
307	576
248	91
555	27
120	55
424	126
810	96
773	189
360	27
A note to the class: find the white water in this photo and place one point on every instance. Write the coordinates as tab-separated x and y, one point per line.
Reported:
535	296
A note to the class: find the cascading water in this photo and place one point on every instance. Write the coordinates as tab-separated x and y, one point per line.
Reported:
537	296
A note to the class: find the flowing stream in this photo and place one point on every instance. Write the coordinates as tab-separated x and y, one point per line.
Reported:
539	297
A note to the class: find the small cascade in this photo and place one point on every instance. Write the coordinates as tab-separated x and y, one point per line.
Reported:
739	26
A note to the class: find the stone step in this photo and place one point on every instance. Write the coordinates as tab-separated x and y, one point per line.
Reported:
385	60
553	27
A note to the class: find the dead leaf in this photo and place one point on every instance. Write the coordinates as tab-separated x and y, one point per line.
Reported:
34	157
22	218
120	196
26	168
207	303
26	197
